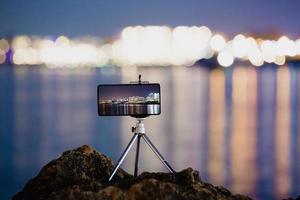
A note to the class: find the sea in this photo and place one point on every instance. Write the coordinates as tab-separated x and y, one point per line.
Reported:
238	126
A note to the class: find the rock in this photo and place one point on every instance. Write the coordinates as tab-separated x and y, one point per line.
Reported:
83	173
297	198
81	169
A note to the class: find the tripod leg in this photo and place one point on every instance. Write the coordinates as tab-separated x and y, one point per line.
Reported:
155	150
123	155
136	167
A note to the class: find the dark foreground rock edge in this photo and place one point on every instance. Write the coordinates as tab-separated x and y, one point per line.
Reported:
83	173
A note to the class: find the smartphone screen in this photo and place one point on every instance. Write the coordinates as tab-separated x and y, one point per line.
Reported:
129	99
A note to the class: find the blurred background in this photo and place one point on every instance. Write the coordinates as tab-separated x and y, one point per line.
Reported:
229	75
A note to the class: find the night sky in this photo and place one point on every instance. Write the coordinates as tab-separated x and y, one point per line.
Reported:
118	91
107	17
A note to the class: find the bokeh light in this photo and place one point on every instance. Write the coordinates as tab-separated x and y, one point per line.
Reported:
268	51
286	47
225	58
298	46
217	42
21	42
256	57
149	46
4	45
2	56
239	46
279	60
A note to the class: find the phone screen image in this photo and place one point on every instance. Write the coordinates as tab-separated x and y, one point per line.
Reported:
129	99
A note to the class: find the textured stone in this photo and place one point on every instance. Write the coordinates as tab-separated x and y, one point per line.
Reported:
83	173
297	198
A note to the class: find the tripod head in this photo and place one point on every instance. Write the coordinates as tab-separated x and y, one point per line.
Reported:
139	127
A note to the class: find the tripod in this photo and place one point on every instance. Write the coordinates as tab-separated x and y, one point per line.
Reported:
139	132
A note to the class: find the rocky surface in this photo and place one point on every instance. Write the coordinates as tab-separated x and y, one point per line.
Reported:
83	173
297	198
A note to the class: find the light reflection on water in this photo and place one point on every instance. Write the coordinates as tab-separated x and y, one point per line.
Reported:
216	152
282	144
238	126
243	130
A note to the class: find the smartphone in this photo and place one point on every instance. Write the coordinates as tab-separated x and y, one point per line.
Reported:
137	100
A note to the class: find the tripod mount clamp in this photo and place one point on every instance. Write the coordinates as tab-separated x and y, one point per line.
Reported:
139	127
139	81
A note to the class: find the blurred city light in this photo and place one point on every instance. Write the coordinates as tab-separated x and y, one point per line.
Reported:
298	46
286	47
2	56
147	46
4	45
217	42
239	46
279	60
268	51
225	58
61	52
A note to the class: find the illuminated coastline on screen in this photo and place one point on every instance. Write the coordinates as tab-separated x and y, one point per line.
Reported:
129	99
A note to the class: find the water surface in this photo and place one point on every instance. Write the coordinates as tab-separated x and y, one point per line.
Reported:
238	126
